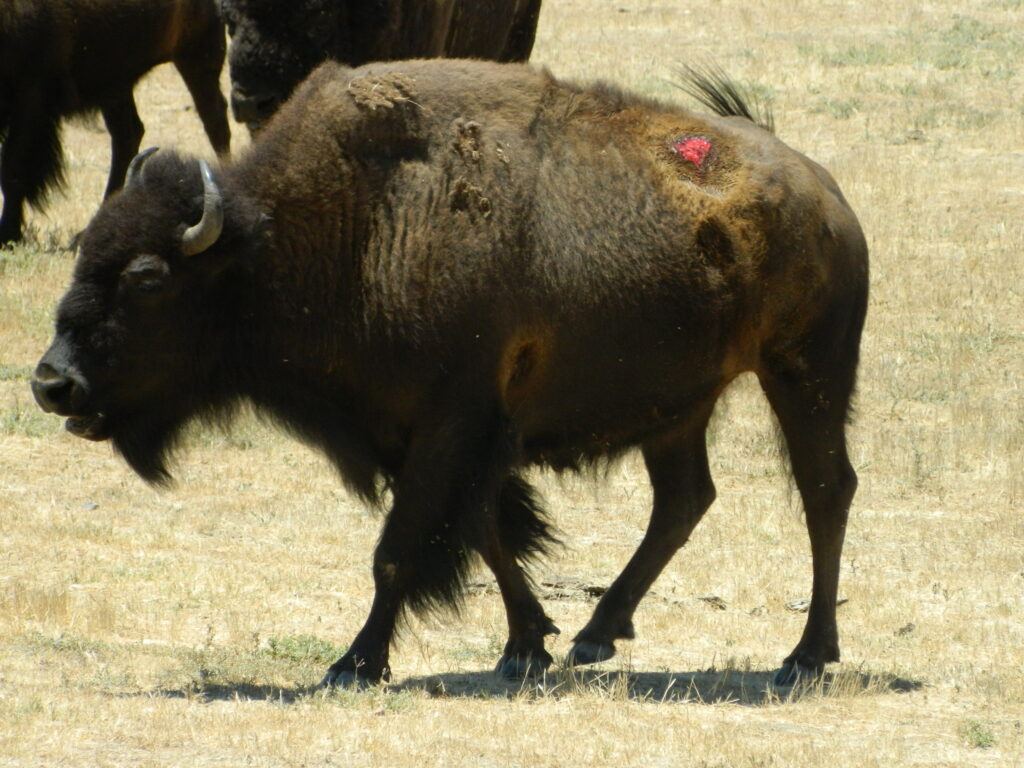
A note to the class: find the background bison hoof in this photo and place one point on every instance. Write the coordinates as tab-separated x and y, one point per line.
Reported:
589	652
519	666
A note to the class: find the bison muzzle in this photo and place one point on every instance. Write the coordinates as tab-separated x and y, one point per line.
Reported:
442	273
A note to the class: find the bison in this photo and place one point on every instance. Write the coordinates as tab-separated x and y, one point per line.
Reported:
443	273
275	44
73	57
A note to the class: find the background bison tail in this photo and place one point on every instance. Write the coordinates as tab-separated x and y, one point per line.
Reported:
33	161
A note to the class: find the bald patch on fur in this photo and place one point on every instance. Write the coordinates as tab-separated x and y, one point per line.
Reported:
383	91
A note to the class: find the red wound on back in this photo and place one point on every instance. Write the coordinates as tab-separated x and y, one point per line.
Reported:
693	149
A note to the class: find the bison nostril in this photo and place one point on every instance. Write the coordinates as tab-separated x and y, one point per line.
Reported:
51	394
56	392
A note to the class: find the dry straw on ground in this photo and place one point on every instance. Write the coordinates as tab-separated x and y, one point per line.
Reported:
184	627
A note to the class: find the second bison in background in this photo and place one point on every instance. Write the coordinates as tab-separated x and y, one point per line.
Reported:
276	43
442	273
61	58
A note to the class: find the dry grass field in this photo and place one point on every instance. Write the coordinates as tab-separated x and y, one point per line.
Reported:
187	627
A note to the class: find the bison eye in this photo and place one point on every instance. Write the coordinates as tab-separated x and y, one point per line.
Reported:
146	275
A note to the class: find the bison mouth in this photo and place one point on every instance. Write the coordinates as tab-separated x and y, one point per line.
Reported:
95	427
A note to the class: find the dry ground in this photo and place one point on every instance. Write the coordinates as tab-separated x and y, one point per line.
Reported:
185	627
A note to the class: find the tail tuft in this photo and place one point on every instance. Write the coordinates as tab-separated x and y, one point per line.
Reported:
710	86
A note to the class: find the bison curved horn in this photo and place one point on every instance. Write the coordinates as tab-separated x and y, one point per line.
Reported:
134	175
201	236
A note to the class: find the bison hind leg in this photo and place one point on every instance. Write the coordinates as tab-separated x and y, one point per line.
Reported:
683	490
811	398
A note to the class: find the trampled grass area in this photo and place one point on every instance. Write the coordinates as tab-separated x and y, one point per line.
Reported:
188	626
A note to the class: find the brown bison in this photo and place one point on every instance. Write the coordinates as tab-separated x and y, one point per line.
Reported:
60	58
276	43
442	273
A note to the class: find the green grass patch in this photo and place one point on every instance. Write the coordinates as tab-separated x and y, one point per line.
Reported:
26	420
977	734
303	649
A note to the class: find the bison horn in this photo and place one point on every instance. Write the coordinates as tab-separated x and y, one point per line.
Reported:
201	236
134	175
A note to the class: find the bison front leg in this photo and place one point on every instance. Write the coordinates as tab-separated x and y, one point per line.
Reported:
437	521
200	66
418	562
517	531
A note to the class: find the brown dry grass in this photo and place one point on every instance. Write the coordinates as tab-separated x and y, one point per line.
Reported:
184	627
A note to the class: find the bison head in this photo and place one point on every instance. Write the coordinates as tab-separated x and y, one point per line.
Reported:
274	45
136	348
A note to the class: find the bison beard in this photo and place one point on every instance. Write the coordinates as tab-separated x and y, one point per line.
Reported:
443	273
147	441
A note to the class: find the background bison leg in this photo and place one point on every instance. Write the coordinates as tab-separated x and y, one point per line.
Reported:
126	130
30	163
811	401
200	66
683	491
516	533
523	33
447	489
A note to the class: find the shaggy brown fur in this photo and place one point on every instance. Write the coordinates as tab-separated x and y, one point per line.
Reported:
60	58
480	269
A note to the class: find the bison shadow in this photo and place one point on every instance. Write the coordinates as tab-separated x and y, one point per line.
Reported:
702	687
747	688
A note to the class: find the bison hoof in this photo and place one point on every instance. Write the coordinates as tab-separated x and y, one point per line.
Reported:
520	666
344	679
589	652
346	672
792	672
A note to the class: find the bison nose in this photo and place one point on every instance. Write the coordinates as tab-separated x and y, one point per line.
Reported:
57	392
252	107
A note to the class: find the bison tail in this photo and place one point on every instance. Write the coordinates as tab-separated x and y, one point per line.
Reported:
710	86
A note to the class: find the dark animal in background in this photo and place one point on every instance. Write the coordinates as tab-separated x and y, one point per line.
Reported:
276	43
442	273
60	58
